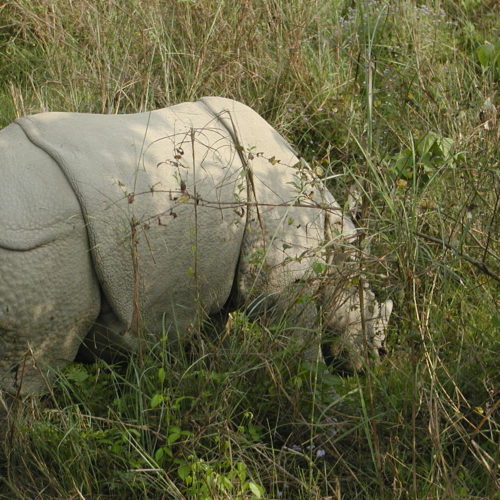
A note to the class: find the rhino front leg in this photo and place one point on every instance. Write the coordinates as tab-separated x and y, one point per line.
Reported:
49	300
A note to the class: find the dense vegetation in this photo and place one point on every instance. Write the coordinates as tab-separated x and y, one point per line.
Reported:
397	97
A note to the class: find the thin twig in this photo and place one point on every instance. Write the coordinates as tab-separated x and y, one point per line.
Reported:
480	265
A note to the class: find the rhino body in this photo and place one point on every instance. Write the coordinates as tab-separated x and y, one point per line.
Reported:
154	220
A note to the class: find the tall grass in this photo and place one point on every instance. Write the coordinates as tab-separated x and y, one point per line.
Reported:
397	98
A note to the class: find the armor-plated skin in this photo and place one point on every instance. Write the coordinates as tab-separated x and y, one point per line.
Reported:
111	222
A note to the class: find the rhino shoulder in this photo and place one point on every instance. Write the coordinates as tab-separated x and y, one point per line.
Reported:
37	204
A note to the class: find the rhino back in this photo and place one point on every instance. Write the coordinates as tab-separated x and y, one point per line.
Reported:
162	195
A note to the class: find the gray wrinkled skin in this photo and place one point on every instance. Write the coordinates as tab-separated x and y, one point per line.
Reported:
154	220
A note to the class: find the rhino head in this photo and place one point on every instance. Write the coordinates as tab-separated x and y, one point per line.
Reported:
355	326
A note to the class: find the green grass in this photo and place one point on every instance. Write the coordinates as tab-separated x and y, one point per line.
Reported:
396	97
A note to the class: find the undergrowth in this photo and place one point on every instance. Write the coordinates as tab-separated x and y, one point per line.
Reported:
396	102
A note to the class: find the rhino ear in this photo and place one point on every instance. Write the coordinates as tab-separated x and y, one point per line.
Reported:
386	310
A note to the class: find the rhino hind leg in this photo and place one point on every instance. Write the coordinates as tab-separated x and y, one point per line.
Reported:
51	300
106	340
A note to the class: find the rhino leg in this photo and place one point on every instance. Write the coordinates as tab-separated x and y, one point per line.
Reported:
49	295
107	339
51	300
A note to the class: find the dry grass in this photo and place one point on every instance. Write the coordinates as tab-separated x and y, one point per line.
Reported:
359	87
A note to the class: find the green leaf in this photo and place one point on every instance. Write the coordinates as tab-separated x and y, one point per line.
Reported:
319	267
426	162
224	483
183	471
485	54
174	434
159	454
304	299
156	400
241	470
446	146
426	143
178	401
255	489
161	375
403	164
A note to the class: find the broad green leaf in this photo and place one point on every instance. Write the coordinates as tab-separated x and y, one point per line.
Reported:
183	471
241	471
446	146
255	489
174	434
224	483
425	144
159	454
485	54
156	400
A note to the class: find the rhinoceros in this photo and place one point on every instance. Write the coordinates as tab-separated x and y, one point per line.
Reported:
115	224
